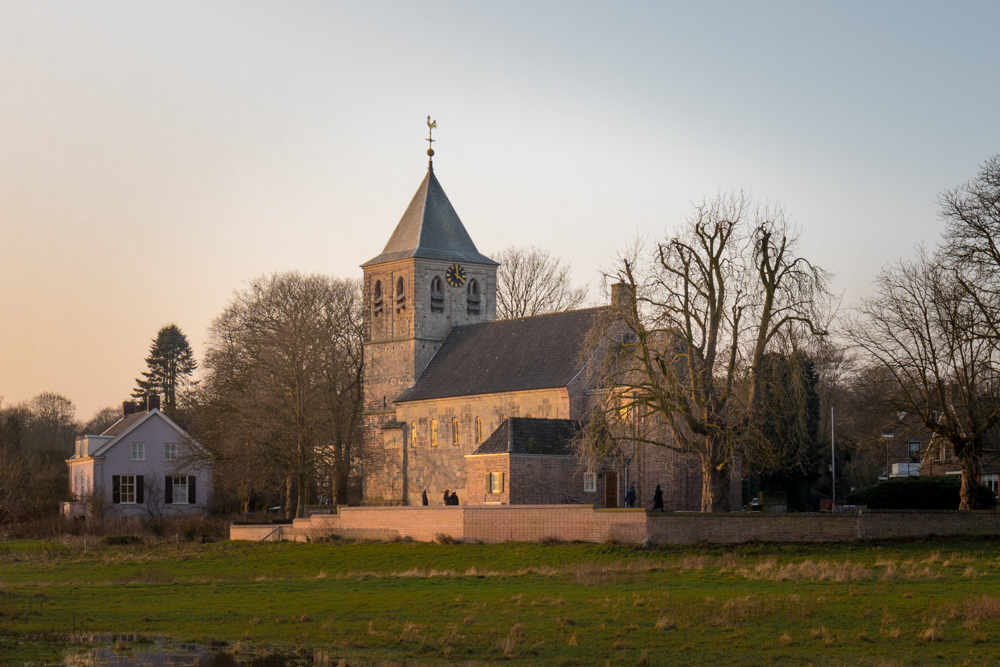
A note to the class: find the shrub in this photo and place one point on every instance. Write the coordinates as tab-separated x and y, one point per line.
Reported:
121	540
919	493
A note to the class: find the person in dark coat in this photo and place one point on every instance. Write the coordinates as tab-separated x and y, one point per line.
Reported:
423	498
447	498
454	498
630	496
658	499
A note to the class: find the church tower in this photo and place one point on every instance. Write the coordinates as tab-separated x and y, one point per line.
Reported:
428	278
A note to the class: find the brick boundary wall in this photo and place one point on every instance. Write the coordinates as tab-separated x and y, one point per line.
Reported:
532	523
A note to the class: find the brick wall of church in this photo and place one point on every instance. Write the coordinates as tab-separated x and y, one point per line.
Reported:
442	466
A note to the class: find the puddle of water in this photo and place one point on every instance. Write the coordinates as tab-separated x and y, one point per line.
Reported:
188	656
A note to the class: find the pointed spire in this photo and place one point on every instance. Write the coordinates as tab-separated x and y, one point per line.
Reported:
431	229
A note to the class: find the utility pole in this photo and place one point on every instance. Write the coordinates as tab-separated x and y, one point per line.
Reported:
833	460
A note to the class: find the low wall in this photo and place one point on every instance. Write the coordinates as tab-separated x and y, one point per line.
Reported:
532	523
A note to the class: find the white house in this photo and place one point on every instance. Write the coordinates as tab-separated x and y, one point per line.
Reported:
140	466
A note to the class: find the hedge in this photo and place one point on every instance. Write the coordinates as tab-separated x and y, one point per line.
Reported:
940	492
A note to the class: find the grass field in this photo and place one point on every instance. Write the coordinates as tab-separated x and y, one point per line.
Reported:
405	603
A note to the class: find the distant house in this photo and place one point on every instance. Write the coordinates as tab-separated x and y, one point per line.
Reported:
140	466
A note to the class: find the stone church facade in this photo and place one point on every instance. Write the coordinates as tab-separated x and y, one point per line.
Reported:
442	376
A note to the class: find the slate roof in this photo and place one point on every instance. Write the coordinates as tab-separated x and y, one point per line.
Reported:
124	424
430	229
537	352
524	435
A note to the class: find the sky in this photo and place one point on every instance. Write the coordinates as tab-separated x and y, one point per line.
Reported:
155	157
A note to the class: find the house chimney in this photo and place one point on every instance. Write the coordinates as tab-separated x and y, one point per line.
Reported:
128	408
620	294
152	401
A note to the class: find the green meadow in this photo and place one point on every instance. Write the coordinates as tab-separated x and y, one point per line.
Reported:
408	603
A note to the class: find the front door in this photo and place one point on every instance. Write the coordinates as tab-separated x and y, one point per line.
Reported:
611	489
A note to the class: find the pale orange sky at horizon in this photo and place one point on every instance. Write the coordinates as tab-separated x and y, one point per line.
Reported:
156	157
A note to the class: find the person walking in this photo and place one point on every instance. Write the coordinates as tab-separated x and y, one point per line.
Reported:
454	498
630	496
423	498
658	499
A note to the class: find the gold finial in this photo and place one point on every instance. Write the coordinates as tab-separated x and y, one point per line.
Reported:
431	126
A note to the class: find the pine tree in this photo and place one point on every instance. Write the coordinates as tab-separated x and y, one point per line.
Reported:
170	363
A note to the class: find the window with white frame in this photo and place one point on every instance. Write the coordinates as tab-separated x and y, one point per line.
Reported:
495	482
990	480
138	451
590	482
180	489
127	487
169	452
913	450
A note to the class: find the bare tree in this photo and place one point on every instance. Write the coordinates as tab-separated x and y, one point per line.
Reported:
688	333
530	281
933	325
935	340
283	388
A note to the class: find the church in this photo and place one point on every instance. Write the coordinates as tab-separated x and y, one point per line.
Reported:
487	409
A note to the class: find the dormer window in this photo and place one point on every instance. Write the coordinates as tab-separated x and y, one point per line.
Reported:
400	296
377	299
437	295
473	297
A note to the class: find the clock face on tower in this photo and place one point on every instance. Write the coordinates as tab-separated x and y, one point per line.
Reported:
455	275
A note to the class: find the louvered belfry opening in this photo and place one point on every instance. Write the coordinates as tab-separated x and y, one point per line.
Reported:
473	297
400	296
377	299
437	295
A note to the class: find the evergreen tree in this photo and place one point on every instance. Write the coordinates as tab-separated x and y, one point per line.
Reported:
170	363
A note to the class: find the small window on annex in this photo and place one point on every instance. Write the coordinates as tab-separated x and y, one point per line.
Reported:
479	431
473	297
413	434
437	295
590	482
377	299
400	296
169	452
914	452
494	482
434	432
138	451
454	431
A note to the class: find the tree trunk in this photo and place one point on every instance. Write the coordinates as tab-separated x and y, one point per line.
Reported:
300	506
970	462
289	496
714	485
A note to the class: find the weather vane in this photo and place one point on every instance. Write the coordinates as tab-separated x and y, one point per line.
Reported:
431	126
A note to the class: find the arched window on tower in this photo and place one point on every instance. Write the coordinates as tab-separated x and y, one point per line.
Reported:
434	433
413	434
479	431
437	295
454	431
400	296
377	299
473	297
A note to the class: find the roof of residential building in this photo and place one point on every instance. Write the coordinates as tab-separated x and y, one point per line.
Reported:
537	352
430	229
528	435
125	423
